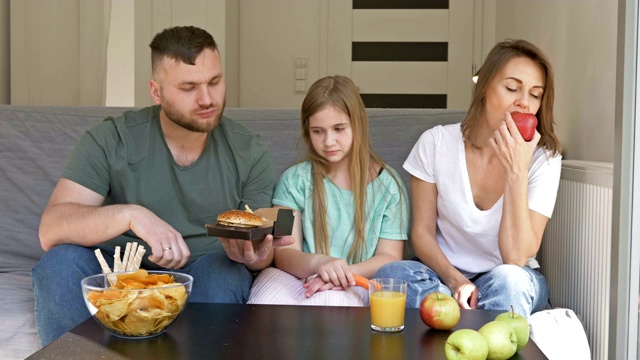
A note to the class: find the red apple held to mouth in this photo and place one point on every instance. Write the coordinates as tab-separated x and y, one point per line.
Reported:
526	124
439	311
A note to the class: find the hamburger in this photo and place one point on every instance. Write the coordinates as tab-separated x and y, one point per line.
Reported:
234	219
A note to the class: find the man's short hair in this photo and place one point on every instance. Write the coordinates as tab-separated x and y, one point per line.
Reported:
181	43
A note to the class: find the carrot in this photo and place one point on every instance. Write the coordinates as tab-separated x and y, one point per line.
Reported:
361	281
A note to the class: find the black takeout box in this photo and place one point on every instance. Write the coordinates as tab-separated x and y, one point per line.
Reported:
277	222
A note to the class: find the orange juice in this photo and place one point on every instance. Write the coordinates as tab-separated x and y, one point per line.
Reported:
387	309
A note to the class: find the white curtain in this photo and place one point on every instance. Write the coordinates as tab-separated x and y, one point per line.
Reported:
59	51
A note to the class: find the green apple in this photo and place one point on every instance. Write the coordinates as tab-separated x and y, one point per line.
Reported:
500	338
519	324
439	311
466	344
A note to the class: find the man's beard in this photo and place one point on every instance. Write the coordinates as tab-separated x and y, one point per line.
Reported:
184	121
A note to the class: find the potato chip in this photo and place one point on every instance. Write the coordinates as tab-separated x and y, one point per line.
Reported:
173	292
139	323
139	313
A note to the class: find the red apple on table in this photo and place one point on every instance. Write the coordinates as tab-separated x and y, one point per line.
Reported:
526	124
439	311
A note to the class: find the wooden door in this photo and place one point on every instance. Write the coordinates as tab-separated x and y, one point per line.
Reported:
403	53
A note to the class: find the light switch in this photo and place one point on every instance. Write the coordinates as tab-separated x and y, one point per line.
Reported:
301	62
301	86
300	75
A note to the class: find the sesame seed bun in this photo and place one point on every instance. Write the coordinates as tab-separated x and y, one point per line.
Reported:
239	218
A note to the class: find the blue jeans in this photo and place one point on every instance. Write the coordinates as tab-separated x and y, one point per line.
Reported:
59	305
503	286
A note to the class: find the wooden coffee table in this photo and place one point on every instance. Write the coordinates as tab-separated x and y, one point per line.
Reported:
238	332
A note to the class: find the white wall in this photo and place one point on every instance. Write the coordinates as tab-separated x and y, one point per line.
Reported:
58	52
120	55
5	80
580	39
272	34
151	17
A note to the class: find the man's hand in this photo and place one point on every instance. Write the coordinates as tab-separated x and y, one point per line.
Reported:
169	250
281	241
257	254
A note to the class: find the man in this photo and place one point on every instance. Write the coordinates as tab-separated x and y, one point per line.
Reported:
156	176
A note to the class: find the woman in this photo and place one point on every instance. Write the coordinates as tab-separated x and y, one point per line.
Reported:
351	209
482	195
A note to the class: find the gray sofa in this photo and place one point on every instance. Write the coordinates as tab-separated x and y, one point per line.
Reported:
36	141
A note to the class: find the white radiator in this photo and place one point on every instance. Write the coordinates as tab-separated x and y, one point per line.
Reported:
576	248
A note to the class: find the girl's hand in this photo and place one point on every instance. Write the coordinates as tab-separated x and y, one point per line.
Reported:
316	284
335	271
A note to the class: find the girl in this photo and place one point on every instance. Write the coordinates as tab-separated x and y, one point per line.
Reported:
351	209
482	195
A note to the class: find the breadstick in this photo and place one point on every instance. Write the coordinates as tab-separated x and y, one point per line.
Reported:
132	254
103	262
125	258
117	263
138	257
105	267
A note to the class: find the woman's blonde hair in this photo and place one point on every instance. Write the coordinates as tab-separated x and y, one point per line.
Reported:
496	60
340	93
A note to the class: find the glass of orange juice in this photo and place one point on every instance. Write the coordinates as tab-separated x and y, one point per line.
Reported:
387	300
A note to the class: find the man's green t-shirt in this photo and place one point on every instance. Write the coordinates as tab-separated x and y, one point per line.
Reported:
127	160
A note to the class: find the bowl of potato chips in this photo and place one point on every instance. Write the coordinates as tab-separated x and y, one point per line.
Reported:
136	304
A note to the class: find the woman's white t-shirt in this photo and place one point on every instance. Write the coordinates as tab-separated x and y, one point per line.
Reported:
467	235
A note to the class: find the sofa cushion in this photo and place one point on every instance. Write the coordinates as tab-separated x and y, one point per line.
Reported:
18	338
35	143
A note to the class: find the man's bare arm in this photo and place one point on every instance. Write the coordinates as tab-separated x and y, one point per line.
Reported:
76	215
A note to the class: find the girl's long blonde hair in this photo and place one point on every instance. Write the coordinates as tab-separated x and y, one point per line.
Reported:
342	94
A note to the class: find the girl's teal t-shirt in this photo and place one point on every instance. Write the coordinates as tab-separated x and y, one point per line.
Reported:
387	209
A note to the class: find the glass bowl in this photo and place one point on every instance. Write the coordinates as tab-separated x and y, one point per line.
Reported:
140	305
